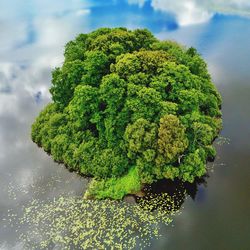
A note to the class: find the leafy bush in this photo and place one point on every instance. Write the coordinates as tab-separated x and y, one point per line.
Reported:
129	109
115	188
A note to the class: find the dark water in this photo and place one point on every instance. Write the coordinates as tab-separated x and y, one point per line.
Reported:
217	216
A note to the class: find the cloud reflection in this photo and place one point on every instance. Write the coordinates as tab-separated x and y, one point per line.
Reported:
33	35
195	11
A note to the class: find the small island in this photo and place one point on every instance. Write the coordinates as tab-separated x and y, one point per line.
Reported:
128	110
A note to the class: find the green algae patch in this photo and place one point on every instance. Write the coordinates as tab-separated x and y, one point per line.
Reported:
74	223
70	222
115	188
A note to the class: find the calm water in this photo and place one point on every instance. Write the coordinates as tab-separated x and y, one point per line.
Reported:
32	40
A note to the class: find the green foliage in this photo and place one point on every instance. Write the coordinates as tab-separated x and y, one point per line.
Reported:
140	136
65	80
115	188
172	140
194	165
129	109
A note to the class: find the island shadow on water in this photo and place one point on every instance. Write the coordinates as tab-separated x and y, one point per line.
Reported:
166	194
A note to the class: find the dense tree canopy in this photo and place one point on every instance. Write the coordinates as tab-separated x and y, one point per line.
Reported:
129	109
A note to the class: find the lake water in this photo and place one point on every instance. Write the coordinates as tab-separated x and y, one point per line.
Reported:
217	214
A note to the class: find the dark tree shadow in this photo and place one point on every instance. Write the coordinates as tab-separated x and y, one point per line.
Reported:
168	194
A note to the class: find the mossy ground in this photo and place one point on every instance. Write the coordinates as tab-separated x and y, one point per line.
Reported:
115	188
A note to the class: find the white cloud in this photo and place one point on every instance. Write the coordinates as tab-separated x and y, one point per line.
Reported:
24	84
39	29
55	31
83	12
188	12
12	34
26	62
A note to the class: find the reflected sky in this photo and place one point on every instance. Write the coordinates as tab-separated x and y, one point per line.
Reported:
33	35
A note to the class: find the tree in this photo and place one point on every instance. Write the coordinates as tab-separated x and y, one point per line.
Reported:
172	140
129	109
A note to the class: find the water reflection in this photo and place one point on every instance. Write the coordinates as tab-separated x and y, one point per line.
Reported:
35	33
70	222
176	190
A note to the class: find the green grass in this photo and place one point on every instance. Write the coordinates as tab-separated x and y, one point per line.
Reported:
115	188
